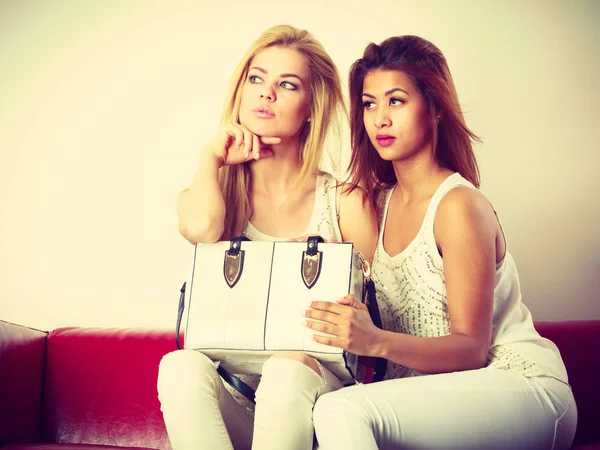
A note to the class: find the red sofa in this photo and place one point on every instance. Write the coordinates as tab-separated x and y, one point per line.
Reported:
90	388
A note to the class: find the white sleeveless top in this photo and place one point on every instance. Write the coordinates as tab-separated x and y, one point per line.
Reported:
411	294
323	222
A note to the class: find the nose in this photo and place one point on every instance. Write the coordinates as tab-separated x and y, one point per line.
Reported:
267	93
382	118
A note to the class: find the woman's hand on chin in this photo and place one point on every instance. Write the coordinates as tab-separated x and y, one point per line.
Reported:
235	144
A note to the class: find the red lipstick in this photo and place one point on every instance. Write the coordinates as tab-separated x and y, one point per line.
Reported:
385	139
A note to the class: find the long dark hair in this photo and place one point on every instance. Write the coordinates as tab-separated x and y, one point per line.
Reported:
425	64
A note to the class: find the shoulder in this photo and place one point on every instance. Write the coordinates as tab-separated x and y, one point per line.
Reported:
358	222
465	200
353	196
461	209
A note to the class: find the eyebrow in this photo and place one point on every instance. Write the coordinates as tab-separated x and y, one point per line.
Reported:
283	75
391	91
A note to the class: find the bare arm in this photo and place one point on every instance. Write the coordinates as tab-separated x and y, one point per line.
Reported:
201	207
358	222
465	230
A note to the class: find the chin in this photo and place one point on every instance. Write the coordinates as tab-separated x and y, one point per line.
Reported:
387	154
267	128
259	127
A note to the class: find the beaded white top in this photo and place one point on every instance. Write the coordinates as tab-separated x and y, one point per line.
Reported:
411	294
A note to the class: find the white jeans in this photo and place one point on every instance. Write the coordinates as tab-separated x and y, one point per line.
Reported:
478	409
200	413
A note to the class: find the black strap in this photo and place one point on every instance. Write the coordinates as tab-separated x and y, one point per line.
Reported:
380	363
312	245
230	378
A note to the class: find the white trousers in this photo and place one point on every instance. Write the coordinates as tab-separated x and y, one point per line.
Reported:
200	413
478	409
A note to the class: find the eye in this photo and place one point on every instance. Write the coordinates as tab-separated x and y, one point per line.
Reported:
368	105
254	79
396	101
289	86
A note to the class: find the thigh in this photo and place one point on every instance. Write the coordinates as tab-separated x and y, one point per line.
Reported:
198	410
478	409
237	413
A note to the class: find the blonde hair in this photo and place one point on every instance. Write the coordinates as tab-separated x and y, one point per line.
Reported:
326	107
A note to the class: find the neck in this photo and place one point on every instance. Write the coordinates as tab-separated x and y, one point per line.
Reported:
277	173
418	177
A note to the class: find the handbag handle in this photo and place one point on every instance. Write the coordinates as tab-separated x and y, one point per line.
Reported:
380	367
370	297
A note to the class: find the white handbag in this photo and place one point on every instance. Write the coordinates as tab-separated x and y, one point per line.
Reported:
245	300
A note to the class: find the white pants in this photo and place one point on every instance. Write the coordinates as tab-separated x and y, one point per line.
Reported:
200	413
478	409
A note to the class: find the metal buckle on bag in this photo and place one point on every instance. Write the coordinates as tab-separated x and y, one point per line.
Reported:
311	261
366	268
234	263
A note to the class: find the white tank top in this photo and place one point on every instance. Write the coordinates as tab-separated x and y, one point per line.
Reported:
411	293
324	220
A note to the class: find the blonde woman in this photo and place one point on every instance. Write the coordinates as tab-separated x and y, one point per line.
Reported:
259	177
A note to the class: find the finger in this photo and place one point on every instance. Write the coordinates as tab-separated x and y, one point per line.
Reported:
248	139
270	140
334	342
323	327
347	302
350	300
255	146
238	140
328	306
266	152
245	141
322	315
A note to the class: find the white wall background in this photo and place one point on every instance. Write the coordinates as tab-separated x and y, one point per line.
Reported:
104	106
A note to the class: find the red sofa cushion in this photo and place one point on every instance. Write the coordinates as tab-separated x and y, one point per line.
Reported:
68	447
101	387
21	370
578	342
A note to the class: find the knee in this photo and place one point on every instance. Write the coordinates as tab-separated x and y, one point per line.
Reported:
342	409
308	361
328	410
183	370
288	375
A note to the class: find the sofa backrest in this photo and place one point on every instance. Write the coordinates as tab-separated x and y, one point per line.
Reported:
101	387
579	345
22	352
